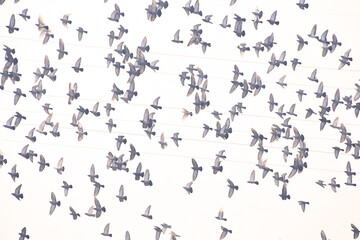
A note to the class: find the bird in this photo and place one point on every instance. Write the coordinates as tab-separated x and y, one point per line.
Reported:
74	214
121	196
106	231
147	213
146	180
155	104
14	174
355	230
302	5
224	22
220	215
176	139
17	193
66	187
303	204
98	208
231	186
252	178
60	168
23	234
333	184
284	194
188	188
272	19
77	67
53	203
162	142
133	152
11	27
224	232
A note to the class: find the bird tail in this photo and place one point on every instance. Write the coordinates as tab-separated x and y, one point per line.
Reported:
21	196
58	203
125	141
288	196
150	183
200	13
200	169
220	168
306	5
110	235
338	185
166	4
243	34
147	48
103	209
86	111
158	13
236	188
125	198
305	164
285	63
122	14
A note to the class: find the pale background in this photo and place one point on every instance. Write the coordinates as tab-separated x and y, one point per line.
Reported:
254	212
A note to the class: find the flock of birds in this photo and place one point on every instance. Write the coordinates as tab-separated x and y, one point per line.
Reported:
196	81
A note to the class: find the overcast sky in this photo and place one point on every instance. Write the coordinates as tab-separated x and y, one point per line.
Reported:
253	212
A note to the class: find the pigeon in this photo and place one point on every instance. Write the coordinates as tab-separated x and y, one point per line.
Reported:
74	214
66	187
106	231
121	196
98	208
284	194
146	180
53	203
147	213
303	204
231	188
224	232
17	193
252	178
23	234
60	168
188	188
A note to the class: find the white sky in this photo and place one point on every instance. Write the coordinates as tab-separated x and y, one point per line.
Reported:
254	212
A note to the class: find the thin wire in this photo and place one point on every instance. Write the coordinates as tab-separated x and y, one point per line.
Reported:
186	56
187	139
164	155
181	109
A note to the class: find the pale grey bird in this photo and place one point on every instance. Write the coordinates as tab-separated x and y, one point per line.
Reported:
80	131
206	130
18	93
127	234
313	76
109	59
92	174
281	82
224	232
188	188
17	193
90	212
156	104
333	184
252	178
258	48
97	188
195	168
355	230
115	15
14	174
162	142
106	231
220	215
81	32
121	196
138	172
55	131
271	102
301	93
147	213
77	67
176	139
42	163
61	49
302	5
65	20
66	187
172	233
110	124
303	204
59	167
11	25
224	22
272	19
158	232
284	194
321	183
53	203
281	178
323	236
98	208
74	214
24	15
232	187
146	180
294	63
23	234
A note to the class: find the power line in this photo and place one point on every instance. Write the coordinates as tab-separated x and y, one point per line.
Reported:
186	56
